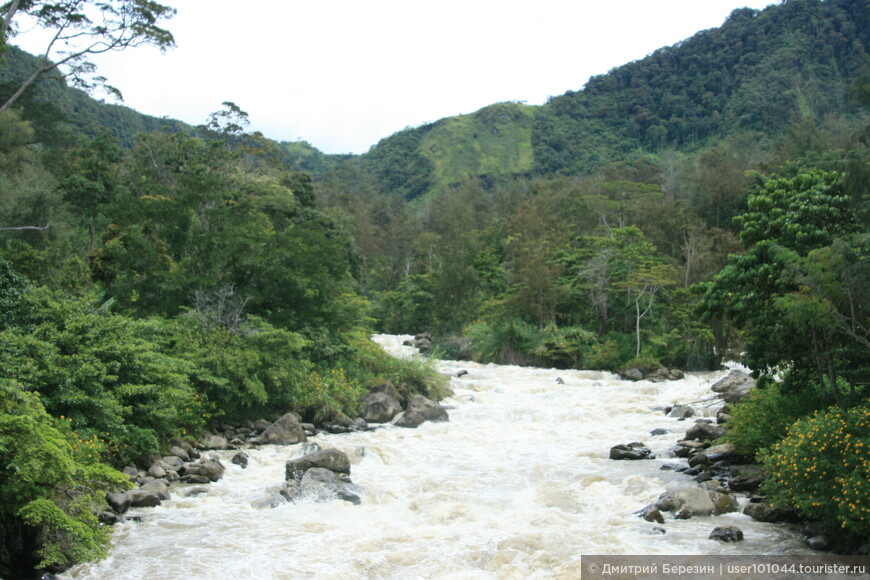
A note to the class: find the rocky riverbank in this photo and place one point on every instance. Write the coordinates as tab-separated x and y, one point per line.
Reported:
322	474
721	478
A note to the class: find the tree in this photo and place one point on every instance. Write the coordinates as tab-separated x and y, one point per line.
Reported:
82	28
768	292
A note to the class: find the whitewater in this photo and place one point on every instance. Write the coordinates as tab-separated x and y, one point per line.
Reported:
518	484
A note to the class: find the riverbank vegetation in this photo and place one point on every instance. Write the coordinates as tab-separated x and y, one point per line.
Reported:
710	201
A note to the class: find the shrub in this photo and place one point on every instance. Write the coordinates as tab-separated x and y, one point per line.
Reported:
822	470
51	484
507	341
764	416
328	395
564	348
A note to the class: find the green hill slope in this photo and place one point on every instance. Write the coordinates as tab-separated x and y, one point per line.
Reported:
60	112
758	73
495	141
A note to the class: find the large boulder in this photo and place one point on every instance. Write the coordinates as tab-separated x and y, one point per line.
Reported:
285	431
745	477
174	462
211	469
119	501
764	512
723	503
180	453
723	452
158	469
704	431
381	405
734	386
331	459
320	484
419	410
634	450
150	494
689	447
159	487
686	501
140	498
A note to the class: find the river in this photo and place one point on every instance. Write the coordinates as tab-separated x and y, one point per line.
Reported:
517	484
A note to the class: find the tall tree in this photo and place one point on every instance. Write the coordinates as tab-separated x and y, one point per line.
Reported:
82	28
765	291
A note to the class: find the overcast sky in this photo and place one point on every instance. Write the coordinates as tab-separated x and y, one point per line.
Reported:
343	74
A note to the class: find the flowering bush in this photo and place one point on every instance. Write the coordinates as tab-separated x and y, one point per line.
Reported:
821	469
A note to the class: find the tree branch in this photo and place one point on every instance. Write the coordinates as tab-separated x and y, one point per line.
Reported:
11	9
15	228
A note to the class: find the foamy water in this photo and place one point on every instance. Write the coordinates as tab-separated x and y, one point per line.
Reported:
517	485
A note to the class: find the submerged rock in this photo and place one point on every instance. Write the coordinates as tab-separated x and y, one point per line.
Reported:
652	514
631	451
681	412
704	431
211	469
320	484
331	459
723	503
241	459
727	534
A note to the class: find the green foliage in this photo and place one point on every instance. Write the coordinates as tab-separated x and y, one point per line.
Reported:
506	341
763	418
329	395
400	165
757	72
787	219
800	213
364	366
409	308
12	288
414	376
821	469
106	372
245	372
604	355
78	30
59	112
302	156
494	142
564	348
49	489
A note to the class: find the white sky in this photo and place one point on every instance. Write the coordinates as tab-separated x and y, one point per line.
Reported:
343	74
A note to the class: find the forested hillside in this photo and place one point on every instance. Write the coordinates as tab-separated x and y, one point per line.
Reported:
61	113
757	74
709	201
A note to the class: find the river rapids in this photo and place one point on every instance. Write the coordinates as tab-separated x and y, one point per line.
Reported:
518	484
